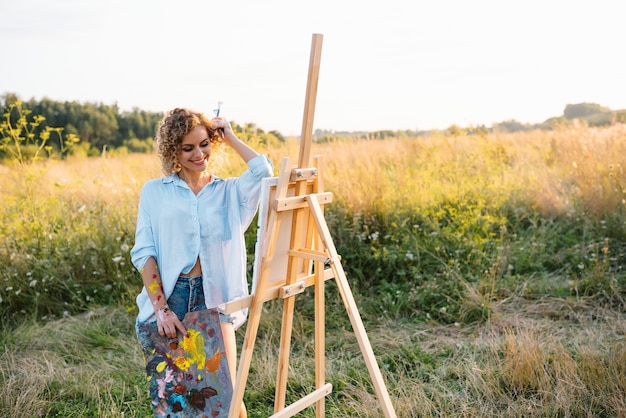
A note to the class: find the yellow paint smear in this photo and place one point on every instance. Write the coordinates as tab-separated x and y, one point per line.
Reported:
193	344
161	366
154	287
182	363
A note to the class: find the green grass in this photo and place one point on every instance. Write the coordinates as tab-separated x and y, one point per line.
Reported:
551	357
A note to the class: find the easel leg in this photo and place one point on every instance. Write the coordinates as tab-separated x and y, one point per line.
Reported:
245	359
320	342
320	304
293	266
351	308
256	307
283	354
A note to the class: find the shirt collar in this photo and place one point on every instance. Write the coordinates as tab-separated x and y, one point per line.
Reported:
173	178
170	178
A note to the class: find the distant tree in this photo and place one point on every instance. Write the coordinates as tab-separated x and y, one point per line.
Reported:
455	130
138	123
581	110
552	123
510	126
139	145
619	116
278	136
480	130
382	134
98	125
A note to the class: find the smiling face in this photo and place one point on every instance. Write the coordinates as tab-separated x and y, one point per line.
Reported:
194	152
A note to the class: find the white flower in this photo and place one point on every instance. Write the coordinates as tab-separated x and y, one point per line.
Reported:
117	259
125	247
33	283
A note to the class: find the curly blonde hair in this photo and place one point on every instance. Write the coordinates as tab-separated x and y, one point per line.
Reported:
172	128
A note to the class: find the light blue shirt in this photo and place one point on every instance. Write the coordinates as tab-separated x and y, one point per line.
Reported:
175	226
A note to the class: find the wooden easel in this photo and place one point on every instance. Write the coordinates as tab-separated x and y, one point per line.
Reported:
296	251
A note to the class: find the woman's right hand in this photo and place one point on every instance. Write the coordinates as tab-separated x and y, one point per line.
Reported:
168	323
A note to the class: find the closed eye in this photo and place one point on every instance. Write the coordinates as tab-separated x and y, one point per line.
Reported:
203	144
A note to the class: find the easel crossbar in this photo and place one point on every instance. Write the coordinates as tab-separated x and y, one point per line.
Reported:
305	402
270	294
303	174
310	254
298	202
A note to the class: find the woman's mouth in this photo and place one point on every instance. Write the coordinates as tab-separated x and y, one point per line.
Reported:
197	162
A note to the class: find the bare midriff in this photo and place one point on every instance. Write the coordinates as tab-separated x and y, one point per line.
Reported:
195	271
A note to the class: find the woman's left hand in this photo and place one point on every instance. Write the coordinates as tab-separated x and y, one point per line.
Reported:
232	140
223	127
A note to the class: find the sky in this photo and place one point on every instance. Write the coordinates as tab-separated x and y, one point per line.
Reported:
385	65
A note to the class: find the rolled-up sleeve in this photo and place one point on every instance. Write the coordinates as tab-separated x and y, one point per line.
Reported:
249	185
144	247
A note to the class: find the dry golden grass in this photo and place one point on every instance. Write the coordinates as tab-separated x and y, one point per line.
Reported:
553	169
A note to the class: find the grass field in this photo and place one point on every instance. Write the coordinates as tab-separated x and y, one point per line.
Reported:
488	269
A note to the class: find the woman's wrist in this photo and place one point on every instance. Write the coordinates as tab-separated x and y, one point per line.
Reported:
163	312
164	309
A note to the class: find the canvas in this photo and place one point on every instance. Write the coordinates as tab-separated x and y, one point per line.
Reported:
188	376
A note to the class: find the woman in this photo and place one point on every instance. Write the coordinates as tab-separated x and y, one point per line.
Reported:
189	241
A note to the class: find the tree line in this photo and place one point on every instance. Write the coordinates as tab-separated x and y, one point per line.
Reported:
101	128
105	127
